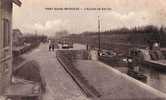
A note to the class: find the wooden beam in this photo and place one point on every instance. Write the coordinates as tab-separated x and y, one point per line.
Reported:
17	2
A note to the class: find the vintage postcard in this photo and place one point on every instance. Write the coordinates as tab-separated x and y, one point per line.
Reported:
82	49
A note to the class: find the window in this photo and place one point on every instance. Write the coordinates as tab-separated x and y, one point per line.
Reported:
6	33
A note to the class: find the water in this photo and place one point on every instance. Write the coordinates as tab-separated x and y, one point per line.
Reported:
155	78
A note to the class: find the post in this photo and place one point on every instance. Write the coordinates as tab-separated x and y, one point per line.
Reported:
99	44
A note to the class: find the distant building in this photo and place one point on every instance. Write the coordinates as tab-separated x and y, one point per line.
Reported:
17	39
5	42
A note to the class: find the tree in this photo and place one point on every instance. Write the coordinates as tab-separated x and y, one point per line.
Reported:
61	34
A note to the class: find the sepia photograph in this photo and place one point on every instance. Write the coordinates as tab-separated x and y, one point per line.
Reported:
82	49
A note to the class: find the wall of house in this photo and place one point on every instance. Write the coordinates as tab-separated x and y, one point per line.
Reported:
5	43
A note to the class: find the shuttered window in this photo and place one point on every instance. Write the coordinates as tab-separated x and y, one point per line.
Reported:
6	33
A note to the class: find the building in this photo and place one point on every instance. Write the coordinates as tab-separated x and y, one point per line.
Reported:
12	88
5	42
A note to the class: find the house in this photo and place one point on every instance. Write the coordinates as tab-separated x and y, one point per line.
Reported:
5	42
12	88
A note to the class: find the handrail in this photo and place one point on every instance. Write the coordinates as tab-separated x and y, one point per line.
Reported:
3	49
5	58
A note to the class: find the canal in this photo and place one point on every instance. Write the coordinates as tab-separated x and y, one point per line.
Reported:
155	78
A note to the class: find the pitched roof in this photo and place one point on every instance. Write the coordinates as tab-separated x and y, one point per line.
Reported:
17	2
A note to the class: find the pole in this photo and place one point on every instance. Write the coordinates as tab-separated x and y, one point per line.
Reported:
99	44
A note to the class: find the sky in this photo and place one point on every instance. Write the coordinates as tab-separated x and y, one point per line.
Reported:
33	17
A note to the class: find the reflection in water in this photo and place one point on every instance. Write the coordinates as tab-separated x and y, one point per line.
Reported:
155	78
